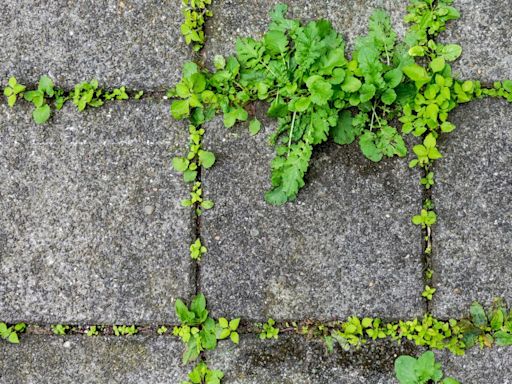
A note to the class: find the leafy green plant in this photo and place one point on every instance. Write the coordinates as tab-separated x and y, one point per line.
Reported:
125	330
422	370
13	91
268	331
198	330
38	98
92	331
87	94
425	218
11	333
197	250
227	329
428	292
194	12
202	375
60	329
162	330
196	199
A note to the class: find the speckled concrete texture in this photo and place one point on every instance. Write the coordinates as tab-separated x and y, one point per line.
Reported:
479	366
91	227
92	360
483	31
473	197
297	360
136	43
346	246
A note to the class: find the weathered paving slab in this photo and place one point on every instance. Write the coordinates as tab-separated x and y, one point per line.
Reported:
92	360
127	42
91	228
345	247
489	366
297	360
473	198
484	34
250	18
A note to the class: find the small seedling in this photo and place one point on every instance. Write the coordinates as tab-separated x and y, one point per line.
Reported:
162	330
60	329
422	370
202	375
428	292
197	250
13	91
11	333
268	330
125	330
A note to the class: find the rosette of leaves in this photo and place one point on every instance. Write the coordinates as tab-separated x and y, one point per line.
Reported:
422	370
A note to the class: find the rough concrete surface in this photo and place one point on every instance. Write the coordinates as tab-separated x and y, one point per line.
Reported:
480	366
297	360
473	197
92	360
483	31
346	246
136	43
250	18
91	227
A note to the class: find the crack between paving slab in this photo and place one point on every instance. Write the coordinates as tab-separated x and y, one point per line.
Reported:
427	245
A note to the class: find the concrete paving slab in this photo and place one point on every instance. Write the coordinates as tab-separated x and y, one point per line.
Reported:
346	246
92	360
91	228
477	366
484	34
250	18
473	197
296	360
136	43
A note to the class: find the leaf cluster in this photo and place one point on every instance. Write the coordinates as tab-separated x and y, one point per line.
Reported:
202	375
268	330
194	12
199	331
125	330
422	370
10	333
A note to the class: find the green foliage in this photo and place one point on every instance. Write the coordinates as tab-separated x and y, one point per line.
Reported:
268	331
202	375
194	12
92	331
428	292
162	330
197	250
125	330
60	329
422	370
13	91
196	199
426	218
84	94
198	330
11	333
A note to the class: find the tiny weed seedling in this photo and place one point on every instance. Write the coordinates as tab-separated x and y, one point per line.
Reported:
428	293
199	331
125	330
268	331
92	331
162	330
202	375
60	329
197	250
13	91
422	370
11	333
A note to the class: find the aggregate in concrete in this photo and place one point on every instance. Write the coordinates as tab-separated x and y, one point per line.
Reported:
346	246
489	366
250	18
92	360
136	43
473	197
91	228
483	32
297	360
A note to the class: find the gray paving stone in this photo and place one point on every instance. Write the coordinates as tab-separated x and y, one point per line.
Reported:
345	247
127	42
296	360
77	243
473	196
92	360
484	34
243	18
489	366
